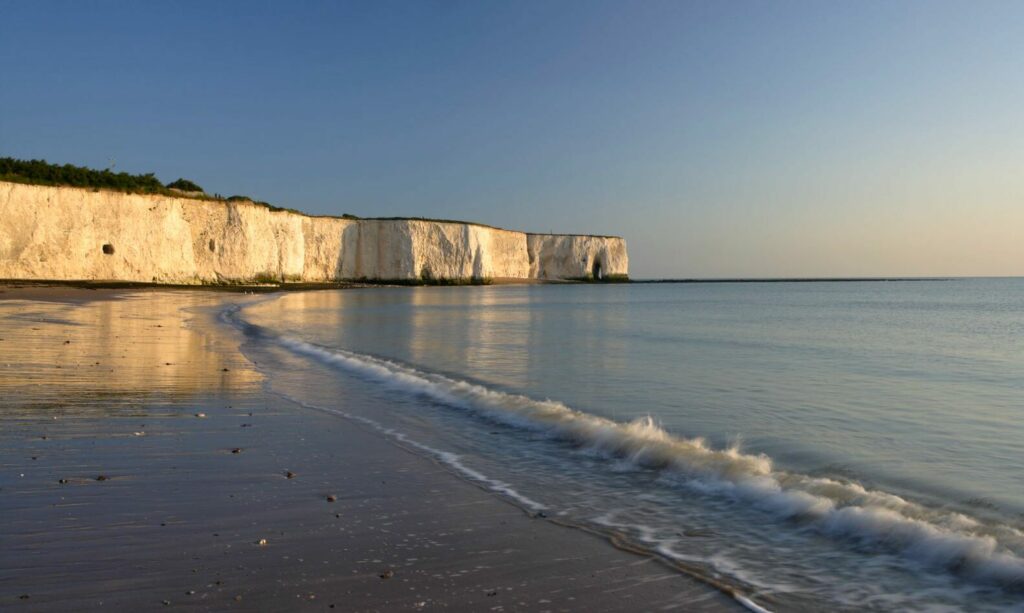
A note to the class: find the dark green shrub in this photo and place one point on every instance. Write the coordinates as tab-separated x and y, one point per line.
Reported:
184	185
41	172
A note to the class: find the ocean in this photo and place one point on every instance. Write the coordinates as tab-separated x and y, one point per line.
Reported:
825	445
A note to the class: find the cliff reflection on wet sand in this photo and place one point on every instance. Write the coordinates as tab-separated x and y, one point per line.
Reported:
84	357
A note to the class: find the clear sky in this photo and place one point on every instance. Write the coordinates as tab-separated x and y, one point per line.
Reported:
721	139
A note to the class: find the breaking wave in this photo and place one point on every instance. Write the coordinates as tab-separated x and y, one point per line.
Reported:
935	537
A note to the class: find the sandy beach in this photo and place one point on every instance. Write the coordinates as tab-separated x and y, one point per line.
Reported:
144	466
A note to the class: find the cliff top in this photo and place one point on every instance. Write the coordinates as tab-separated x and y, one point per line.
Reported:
41	172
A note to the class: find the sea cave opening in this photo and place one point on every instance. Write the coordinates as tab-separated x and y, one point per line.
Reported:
596	271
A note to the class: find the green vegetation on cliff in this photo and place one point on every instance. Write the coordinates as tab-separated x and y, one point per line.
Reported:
41	172
185	185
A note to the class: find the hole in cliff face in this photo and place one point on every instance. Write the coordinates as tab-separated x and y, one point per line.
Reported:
596	271
108	249
213	245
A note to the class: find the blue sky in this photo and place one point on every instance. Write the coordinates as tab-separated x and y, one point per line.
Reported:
720	138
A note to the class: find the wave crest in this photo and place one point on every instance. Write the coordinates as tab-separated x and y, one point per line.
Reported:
843	510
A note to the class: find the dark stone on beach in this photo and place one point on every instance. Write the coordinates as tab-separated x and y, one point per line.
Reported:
24	597
67	342
102	478
289	474
387	573
62	481
246	425
541	515
167	603
331	498
492	593
236	450
190	592
224	370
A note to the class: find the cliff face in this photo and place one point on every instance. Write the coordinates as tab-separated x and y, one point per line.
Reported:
572	256
62	233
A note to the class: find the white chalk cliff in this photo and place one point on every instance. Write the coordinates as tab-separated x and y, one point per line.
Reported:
64	233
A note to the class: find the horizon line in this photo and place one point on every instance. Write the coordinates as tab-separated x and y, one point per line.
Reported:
875	279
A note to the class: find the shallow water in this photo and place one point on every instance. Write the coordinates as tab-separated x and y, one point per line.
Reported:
846	445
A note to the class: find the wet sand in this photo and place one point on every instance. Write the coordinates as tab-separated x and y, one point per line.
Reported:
143	466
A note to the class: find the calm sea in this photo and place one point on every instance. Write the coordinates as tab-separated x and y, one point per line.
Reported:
817	445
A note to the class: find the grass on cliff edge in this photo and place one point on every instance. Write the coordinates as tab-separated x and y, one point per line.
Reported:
41	172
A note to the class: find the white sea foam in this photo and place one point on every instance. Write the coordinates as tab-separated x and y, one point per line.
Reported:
840	509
